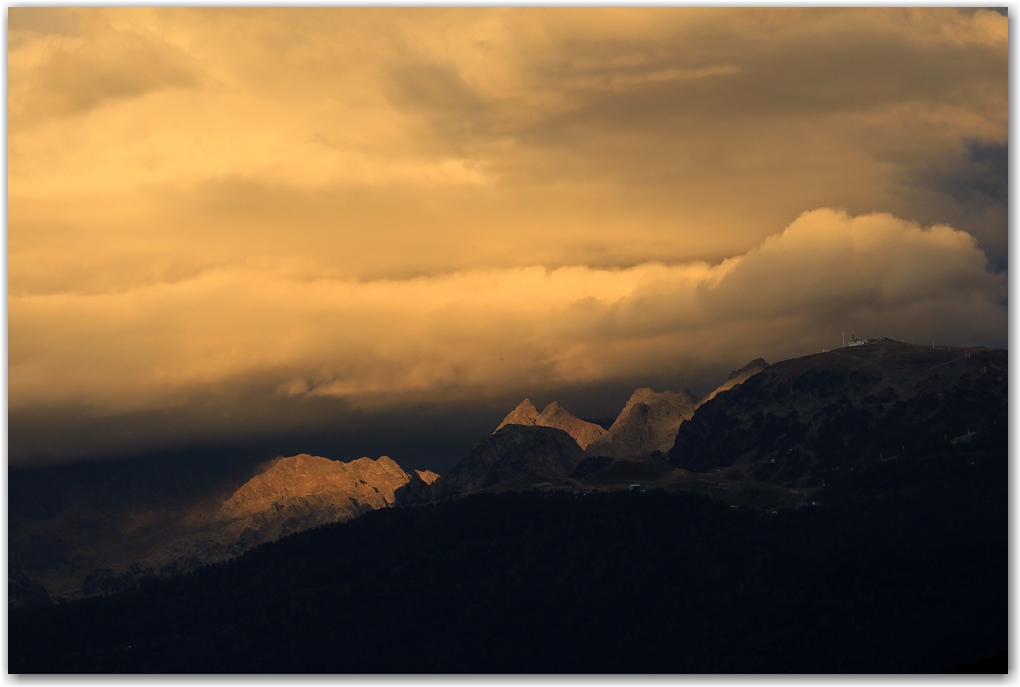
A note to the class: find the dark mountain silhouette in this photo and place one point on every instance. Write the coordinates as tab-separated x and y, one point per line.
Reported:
511	451
647	423
537	479
805	420
556	416
24	592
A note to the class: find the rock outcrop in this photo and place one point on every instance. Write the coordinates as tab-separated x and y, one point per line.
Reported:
525	414
554	415
648	423
320	484
417	490
426	476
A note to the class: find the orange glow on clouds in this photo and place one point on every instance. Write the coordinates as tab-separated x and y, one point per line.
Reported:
400	204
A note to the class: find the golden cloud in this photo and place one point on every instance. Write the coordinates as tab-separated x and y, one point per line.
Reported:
487	332
396	204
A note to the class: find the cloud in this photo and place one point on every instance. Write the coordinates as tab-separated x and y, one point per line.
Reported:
493	333
520	136
82	63
44	21
390	206
967	188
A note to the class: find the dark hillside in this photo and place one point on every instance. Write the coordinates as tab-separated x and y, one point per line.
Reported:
902	569
511	451
811	419
65	522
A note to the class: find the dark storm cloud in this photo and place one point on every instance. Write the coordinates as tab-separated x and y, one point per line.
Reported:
969	190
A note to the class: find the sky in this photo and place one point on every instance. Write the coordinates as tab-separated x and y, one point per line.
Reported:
366	231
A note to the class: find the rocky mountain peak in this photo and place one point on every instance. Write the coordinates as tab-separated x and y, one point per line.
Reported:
427	476
556	416
524	414
677	399
364	481
648	422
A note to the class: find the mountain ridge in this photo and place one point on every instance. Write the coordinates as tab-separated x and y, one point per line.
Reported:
769	436
801	420
553	415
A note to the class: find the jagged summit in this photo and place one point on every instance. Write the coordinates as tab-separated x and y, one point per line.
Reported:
554	415
524	414
648	422
294	480
427	476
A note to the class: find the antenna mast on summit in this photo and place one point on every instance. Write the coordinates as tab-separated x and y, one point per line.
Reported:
844	339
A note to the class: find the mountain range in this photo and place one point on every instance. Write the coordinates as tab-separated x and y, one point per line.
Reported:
840	512
81	547
770	437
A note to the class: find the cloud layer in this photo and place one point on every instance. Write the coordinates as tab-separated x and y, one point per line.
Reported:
480	334
389	206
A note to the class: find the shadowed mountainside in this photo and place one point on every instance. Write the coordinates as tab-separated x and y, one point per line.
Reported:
108	547
511	451
769	437
814	551
802	421
24	592
903	570
647	423
736	378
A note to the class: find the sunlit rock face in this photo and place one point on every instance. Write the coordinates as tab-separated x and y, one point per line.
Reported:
339	486
647	423
524	414
554	415
426	476
583	432
288	495
512	451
